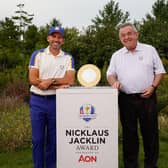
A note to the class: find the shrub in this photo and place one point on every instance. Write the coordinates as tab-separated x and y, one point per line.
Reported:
162	93
163	119
17	89
15	131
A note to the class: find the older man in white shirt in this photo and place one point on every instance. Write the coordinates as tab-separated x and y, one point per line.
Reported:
136	70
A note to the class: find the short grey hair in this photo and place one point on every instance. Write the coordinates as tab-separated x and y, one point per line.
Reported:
128	24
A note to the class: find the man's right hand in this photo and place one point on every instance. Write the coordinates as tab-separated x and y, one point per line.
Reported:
116	85
44	84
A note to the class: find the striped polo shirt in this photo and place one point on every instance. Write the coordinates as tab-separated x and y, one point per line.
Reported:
50	66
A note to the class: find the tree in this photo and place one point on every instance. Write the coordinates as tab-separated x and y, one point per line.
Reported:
100	39
154	28
55	22
110	15
71	41
23	19
9	44
106	34
31	37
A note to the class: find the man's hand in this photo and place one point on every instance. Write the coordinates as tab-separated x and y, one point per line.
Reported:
148	92
114	82
44	84
116	85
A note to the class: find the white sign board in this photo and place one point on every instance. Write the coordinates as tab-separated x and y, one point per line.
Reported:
87	127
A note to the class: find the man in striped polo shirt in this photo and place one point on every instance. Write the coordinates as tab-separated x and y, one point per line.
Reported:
49	69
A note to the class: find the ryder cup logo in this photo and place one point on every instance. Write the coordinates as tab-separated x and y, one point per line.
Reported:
87	112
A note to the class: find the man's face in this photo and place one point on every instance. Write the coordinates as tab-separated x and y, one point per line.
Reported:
128	37
55	40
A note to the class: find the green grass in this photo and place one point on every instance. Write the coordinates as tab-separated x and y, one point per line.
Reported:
23	158
163	156
17	159
163	153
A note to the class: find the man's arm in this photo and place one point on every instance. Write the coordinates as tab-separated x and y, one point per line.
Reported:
112	80
149	91
66	81
51	83
157	79
36	81
34	77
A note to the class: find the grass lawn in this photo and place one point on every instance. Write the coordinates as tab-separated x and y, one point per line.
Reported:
163	155
23	158
18	159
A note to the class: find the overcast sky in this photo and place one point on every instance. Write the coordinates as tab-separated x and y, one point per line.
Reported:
72	13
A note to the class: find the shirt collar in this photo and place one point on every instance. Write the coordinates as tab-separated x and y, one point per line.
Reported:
49	53
138	48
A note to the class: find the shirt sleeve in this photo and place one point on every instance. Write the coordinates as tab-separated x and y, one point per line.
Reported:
111	68
158	66
34	60
71	65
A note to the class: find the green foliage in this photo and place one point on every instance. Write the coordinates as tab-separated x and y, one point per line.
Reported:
100	40
10	58
13	75
54	22
31	37
163	119
165	63
110	15
15	129
103	74
10	54
154	28
159	10
71	40
9	34
104	35
17	159
105	32
42	38
162	93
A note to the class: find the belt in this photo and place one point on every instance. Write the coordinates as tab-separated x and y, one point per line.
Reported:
131	94
44	96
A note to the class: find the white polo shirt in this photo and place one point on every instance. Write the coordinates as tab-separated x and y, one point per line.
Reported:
135	70
50	66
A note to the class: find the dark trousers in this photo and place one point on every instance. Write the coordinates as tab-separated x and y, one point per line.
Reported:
134	109
43	122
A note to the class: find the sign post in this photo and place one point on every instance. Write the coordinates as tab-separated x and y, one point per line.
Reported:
87	127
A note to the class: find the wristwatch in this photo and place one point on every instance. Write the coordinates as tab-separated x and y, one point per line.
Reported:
155	87
53	81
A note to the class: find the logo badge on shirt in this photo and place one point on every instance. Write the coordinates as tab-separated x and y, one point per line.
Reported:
140	57
61	67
